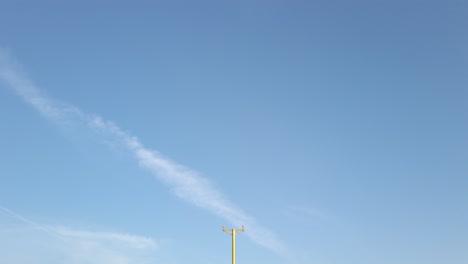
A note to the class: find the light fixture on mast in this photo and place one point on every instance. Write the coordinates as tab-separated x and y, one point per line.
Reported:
233	233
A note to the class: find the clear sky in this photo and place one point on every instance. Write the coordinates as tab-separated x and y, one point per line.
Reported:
335	131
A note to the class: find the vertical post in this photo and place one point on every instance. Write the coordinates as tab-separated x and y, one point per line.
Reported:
233	233
234	247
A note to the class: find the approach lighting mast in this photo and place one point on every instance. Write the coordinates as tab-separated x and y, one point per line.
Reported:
233	233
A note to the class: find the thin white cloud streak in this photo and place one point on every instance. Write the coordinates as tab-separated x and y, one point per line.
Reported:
28	222
74	246
20	217
187	184
130	240
64	232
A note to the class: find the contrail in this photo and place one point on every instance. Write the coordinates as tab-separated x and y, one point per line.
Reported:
28	221
63	233
186	183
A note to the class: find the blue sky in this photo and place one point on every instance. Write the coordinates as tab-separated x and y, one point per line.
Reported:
335	131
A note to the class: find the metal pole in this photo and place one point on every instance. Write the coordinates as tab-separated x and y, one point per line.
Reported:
233	233
234	247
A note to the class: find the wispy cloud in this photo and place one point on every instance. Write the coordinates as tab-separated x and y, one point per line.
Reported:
107	237
186	183
50	244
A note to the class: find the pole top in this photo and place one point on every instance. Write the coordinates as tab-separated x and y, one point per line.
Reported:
233	232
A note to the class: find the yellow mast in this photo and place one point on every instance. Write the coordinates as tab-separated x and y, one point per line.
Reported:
233	233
